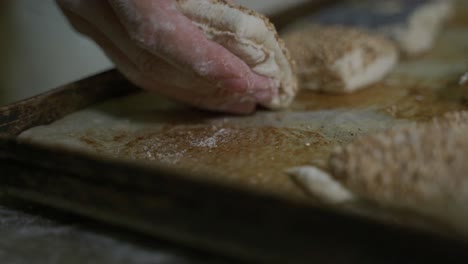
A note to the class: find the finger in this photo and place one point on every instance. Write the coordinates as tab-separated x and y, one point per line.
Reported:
100	14
198	93
159	27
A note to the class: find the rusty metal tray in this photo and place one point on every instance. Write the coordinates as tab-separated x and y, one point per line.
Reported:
249	209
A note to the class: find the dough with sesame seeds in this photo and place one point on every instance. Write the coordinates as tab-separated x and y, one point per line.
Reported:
412	24
250	36
419	168
337	59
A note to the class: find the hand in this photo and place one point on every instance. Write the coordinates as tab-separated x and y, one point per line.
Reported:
159	49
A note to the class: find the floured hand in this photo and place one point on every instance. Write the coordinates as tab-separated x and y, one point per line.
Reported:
159	49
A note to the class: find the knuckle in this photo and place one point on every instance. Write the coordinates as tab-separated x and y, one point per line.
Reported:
152	33
141	35
205	69
146	34
146	62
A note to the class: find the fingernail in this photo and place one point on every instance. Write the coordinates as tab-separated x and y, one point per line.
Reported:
259	82
264	96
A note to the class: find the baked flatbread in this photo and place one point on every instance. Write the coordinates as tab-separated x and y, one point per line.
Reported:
412	24
337	59
421	168
251	37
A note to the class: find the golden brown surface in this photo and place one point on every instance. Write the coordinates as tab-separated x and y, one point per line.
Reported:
410	100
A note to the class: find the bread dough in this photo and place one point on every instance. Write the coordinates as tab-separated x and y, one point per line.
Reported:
251	37
422	168
337	59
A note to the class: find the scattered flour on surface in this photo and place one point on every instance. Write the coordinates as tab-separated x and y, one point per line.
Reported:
170	158
212	141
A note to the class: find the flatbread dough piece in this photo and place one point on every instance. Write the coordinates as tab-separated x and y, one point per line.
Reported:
251	37
421	168
337	59
412	24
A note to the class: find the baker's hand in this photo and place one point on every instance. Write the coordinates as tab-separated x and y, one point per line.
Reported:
159	49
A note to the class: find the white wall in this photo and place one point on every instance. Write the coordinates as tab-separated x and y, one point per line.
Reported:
39	50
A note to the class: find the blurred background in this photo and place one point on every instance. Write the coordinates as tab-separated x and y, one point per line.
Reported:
40	51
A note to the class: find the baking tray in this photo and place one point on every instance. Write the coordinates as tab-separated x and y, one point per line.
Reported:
269	225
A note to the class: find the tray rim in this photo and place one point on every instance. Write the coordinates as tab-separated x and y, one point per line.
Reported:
215	207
